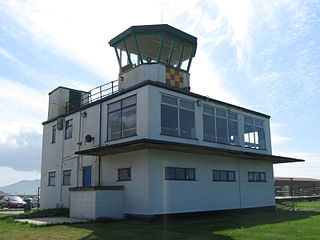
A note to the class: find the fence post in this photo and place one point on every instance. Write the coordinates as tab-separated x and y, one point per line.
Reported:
291	191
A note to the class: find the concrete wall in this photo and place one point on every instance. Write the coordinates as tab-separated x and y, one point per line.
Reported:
93	204
174	196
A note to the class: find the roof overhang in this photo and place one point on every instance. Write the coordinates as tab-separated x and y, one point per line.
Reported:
144	143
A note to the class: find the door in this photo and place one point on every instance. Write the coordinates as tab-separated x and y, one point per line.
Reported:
86	179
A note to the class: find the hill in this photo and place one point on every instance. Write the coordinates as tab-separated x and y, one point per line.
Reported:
24	187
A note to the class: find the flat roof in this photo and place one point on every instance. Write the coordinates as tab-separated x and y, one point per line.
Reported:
157	84
146	143
153	29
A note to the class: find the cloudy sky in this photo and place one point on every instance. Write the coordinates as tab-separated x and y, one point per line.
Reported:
263	55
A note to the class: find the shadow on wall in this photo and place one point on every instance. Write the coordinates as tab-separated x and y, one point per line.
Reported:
191	227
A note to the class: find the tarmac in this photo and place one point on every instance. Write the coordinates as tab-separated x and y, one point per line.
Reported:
51	221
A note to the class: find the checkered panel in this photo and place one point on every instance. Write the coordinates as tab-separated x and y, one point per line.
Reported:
174	77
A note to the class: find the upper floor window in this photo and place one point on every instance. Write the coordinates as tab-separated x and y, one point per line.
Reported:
122	118
66	180
177	117
220	126
257	177
51	178
54	133
175	173
68	129
254	135
223	175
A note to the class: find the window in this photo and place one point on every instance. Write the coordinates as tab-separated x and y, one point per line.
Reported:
223	176
54	133
66	177
122	118
177	117
124	174
68	129
52	179
254	136
174	173
257	177
220	126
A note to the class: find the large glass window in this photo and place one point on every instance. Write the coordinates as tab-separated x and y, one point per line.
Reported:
254	135
175	173
122	118
68	129
177	117
51	178
220	126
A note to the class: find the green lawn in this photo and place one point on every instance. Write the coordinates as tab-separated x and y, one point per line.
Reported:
246	226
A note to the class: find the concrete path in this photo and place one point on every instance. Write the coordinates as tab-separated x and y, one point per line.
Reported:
51	220
11	212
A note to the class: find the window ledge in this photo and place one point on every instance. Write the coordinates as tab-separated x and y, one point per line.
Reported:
188	180
125	180
164	134
120	138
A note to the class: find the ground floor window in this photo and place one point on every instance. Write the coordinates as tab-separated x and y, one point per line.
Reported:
257	177
52	178
124	174
175	173
223	175
66	179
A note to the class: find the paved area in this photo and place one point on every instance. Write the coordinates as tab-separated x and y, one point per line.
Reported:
51	220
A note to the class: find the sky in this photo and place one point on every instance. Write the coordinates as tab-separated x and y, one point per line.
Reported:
262	55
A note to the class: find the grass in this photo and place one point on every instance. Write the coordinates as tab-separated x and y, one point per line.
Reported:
252	225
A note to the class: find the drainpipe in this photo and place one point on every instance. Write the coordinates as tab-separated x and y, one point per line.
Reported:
99	157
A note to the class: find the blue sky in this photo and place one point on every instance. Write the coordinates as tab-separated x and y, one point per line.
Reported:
263	55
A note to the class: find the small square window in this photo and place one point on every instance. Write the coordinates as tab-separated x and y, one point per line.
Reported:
124	174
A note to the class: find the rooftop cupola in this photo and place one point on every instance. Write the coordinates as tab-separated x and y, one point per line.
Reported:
154	52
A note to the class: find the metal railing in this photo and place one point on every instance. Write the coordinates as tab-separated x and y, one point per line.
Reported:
99	92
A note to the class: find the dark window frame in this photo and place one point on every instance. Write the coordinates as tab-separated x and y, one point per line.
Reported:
185	174
257	177
121	109
66	173
67	132
54	133
227	175
52	178
256	125
128	173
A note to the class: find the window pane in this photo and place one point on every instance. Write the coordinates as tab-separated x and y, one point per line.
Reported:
170	173
222	134
221	113
114	125
169	100
231	176
260	139
262	176
129	121
124	174
232	116
216	175
258	122
114	106
248	120
233	132
256	176
129	101
209	132
180	174
250	176
68	130
208	110
186	104
249	135
66	177
54	132
223	176
190	174
187	123
169	120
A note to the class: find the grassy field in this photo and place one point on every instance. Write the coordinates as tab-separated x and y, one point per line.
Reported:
295	225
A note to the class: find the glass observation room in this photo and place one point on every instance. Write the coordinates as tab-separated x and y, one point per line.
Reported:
151	44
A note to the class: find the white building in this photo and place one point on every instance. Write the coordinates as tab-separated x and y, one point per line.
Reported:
146	145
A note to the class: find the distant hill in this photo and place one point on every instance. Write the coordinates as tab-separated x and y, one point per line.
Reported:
24	187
